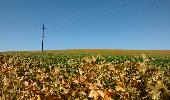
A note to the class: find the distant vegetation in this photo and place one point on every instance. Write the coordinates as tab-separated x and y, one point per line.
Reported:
99	52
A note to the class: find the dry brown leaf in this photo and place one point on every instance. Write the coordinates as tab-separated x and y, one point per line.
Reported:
108	95
121	76
101	93
119	88
82	78
93	94
160	84
38	97
26	83
56	71
82	93
99	84
65	91
76	81
93	59
111	68
80	71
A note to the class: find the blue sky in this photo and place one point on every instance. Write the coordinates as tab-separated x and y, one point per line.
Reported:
105	24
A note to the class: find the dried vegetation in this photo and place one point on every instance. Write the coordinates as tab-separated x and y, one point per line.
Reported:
55	77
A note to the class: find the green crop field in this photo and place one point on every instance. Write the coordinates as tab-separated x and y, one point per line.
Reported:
84	74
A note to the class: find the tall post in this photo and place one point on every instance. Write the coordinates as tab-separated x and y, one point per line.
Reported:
43	29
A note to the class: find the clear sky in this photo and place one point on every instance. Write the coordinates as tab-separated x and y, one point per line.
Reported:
72	24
